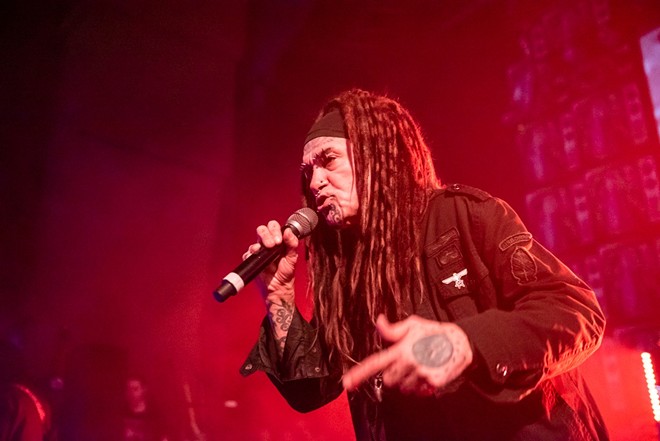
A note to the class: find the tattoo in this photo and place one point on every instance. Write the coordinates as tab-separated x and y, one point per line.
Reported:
334	215
281	315
280	344
433	351
283	318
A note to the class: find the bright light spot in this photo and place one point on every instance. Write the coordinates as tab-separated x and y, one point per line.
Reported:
649	374
231	404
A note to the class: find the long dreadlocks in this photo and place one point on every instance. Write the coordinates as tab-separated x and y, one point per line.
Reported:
356	274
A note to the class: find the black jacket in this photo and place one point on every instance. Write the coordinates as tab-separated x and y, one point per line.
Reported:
530	320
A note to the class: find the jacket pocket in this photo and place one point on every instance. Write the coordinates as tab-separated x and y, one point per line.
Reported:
446	267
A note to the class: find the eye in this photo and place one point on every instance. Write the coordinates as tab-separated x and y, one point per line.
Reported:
325	159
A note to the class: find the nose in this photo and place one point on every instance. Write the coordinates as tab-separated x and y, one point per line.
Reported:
319	180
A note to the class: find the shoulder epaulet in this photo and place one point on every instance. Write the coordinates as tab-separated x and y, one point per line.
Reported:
468	191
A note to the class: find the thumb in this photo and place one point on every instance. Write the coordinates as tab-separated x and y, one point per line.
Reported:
291	241
391	332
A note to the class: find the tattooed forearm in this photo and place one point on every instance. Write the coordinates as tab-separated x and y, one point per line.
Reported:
282	318
280	315
280	345
433	351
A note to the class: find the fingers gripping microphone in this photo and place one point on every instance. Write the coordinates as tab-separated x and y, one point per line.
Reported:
301	223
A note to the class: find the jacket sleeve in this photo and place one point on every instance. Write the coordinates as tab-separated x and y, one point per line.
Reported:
304	376
546	322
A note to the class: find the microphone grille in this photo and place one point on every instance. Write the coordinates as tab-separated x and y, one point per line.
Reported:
304	220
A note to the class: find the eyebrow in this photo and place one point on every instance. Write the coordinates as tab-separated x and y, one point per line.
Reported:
305	167
316	157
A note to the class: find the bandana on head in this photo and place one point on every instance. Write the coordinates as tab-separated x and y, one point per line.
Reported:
330	124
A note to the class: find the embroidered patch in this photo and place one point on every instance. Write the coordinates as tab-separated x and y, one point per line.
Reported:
523	266
514	239
449	254
456	279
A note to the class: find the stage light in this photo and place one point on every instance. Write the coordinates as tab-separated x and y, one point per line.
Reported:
651	384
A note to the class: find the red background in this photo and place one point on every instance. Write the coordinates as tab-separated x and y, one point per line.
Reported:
143	142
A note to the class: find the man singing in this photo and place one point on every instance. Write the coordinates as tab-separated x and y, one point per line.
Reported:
433	305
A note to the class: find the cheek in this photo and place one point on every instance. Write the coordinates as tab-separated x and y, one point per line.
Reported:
348	190
349	204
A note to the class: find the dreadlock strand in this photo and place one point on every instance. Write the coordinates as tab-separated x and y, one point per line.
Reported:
357	275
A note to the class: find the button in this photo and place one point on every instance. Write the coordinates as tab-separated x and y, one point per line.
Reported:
313	350
317	369
455	187
502	369
248	367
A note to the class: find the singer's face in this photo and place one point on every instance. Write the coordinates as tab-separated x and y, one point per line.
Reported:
328	170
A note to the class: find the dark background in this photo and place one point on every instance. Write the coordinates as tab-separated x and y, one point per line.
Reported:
142	142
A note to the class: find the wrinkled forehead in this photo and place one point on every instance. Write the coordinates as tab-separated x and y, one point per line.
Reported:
317	145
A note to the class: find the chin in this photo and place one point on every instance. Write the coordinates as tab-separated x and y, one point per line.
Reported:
341	224
334	223
335	218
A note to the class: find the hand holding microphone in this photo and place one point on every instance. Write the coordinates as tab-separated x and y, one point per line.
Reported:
274	242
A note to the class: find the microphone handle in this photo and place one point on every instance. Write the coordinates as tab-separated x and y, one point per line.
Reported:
246	271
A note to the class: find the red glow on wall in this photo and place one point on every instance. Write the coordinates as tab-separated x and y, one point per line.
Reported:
651	384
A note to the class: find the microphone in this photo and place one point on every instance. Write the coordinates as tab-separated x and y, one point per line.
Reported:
301	223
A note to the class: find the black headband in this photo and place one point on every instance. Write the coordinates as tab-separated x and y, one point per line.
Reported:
330	124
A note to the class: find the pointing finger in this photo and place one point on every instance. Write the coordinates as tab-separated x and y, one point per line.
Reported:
369	367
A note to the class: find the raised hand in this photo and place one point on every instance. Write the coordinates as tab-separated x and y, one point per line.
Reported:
425	357
277	280
278	277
